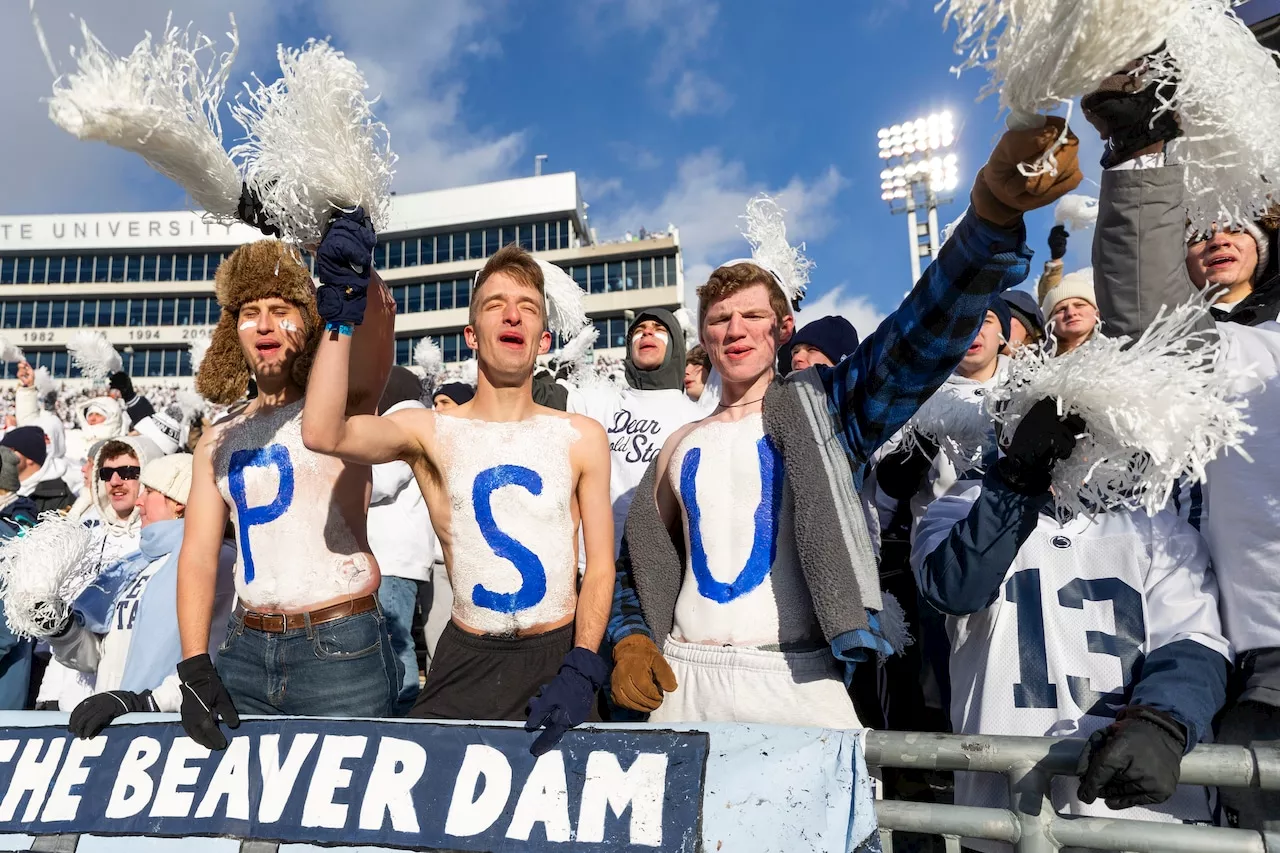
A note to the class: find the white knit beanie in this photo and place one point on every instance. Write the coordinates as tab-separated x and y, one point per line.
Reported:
1078	284
170	476
1264	247
162	429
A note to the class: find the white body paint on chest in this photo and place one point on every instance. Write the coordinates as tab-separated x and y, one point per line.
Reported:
510	491
293	546
742	582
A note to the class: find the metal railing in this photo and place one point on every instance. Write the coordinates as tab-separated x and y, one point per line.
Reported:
1030	823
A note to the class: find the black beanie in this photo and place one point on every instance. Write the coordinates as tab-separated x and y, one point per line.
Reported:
1001	309
27	440
458	392
833	336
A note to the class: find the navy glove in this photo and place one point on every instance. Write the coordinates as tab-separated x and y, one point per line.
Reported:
344	263
1135	761
566	701
94	714
204	700
1058	242
1041	440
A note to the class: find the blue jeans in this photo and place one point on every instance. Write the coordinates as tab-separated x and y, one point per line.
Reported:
399	599
343	668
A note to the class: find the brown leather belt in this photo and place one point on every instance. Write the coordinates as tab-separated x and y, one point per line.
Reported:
278	623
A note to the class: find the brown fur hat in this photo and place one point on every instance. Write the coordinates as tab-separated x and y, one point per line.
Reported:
258	270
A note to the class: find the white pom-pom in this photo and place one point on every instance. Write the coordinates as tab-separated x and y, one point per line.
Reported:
44	383
427	355
687	326
1155	411
469	372
9	352
566	312
94	355
766	231
191	404
161	102
574	353
41	571
958	423
1076	212
1042	53
312	144
199	346
1228	143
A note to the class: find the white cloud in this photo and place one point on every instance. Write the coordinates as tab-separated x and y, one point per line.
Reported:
683	26
855	308
698	94
414	63
707	201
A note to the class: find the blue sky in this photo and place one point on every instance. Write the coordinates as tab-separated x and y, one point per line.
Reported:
669	110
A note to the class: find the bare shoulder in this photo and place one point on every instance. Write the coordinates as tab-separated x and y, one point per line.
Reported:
586	426
673	440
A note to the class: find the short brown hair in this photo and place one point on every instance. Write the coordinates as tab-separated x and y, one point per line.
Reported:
115	449
728	280
698	355
516	262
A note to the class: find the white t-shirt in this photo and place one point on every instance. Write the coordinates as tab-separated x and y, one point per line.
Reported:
743	584
638	424
1241	514
1053	654
400	532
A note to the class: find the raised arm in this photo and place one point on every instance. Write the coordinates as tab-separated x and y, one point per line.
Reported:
326	426
875	391
595	596
1140	246
337	418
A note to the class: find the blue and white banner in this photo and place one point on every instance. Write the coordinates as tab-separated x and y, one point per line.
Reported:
411	785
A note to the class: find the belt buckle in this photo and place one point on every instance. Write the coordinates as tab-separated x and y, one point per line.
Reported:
273	623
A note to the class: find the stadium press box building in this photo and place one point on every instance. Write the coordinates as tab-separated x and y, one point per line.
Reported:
146	279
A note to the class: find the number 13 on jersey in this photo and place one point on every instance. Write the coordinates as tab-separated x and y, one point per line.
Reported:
1034	689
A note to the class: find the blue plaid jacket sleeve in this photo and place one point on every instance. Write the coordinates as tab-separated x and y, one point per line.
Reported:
625	618
873	392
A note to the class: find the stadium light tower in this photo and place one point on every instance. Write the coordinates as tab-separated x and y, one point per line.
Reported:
918	173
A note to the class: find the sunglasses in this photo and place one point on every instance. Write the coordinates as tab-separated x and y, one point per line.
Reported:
125	472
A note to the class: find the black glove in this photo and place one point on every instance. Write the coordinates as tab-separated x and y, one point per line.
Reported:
1122	113
900	473
204	700
251	213
1135	761
1058	242
121	382
566	701
1041	440
94	714
343	265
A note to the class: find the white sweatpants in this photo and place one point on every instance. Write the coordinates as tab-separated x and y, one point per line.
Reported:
734	684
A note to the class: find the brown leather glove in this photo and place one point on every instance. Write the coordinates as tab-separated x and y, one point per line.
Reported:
1001	194
640	674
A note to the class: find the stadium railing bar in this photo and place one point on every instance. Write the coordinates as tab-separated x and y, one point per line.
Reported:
1030	823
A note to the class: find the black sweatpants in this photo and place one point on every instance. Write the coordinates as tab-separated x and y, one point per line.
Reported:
490	678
